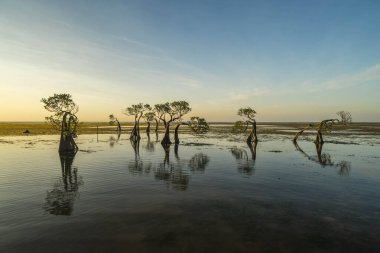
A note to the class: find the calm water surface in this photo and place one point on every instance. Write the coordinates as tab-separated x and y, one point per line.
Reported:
205	195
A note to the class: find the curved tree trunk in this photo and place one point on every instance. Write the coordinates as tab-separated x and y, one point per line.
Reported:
300	132
148	128
133	136
176	151
252	136
156	129
138	130
67	144
118	127
176	138
319	138
166	139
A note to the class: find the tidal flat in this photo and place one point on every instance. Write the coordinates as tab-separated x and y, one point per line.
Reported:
210	193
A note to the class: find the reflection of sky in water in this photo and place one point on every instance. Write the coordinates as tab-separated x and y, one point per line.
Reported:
197	196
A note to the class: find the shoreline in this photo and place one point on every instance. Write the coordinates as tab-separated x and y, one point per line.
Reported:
284	128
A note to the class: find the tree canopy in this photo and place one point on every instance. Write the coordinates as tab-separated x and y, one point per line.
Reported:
64	118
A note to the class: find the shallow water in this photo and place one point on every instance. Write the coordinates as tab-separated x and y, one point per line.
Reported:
206	195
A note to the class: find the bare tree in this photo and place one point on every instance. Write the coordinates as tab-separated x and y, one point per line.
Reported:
325	126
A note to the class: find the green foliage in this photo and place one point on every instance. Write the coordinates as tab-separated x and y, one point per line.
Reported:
198	125
173	111
54	121
113	119
179	108
137	110
239	127
247	112
149	116
61	104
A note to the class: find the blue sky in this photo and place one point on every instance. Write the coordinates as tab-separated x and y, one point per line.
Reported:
289	60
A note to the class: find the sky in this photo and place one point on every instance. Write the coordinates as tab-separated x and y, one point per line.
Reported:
288	60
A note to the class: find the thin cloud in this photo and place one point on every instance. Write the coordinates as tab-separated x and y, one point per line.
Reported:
361	78
243	95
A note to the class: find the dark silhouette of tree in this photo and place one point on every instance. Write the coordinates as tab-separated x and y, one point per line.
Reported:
161	111
63	119
171	112
196	124
137	111
325	126
114	120
248	115
60	200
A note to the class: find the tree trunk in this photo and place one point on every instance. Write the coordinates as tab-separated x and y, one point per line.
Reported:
176	151
176	139
166	139
148	128
176	132
156	130
118	127
133	135
252	136
319	138
300	132
67	144
138	130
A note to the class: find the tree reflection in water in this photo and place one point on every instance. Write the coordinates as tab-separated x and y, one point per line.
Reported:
246	164
325	160
198	162
175	174
137	166
114	140
60	200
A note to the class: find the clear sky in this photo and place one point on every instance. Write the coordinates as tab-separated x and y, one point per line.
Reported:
289	60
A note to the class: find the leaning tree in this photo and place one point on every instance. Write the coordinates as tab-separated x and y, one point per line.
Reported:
325	126
137	111
63	119
169	113
248	115
196	124
114	120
